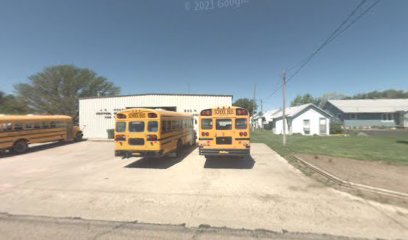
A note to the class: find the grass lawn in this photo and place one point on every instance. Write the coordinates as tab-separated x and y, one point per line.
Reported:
390	149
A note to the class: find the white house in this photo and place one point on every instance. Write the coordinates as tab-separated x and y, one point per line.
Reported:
307	119
257	120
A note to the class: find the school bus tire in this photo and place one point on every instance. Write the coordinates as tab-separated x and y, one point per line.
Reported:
21	146
179	148
78	137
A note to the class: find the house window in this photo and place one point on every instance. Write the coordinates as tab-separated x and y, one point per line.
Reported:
306	126
322	125
352	116
388	117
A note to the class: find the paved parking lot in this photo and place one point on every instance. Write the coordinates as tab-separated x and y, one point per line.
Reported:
263	192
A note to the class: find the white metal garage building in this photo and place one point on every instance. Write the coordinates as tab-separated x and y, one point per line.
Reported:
96	115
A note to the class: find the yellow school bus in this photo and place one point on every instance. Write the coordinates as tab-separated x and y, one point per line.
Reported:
153	133
224	131
18	131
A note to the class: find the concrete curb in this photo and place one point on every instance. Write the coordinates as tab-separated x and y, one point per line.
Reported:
352	185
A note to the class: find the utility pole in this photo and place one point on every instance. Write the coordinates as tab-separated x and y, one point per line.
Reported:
253	107
261	106
284	106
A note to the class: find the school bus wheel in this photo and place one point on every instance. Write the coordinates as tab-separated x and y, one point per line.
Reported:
20	146
179	148
78	137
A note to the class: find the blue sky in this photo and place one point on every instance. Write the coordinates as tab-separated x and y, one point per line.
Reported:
159	46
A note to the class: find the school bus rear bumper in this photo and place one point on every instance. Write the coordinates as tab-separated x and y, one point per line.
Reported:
142	153
224	152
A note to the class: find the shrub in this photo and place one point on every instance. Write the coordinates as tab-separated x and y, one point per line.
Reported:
336	128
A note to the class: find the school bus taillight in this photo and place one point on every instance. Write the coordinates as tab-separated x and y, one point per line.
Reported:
151	137
152	115
120	116
205	134
120	138
243	134
241	111
206	112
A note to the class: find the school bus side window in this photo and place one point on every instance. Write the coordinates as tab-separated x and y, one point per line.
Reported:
120	126
206	124
163	126
4	127
18	126
240	123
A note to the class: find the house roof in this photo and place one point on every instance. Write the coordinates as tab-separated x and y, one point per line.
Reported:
268	114
257	116
292	112
371	105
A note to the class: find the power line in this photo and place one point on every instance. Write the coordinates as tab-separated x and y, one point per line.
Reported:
332	35
336	33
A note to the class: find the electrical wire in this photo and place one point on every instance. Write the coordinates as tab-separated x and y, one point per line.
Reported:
336	33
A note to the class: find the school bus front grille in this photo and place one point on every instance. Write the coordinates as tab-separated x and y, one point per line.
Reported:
136	141
223	140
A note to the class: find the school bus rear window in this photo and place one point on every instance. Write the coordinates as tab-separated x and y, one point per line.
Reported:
224	124
206	124
136	126
120	126
153	126
240	123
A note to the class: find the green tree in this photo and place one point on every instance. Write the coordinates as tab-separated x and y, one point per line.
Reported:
330	96
246	103
304	99
9	104
387	94
57	89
